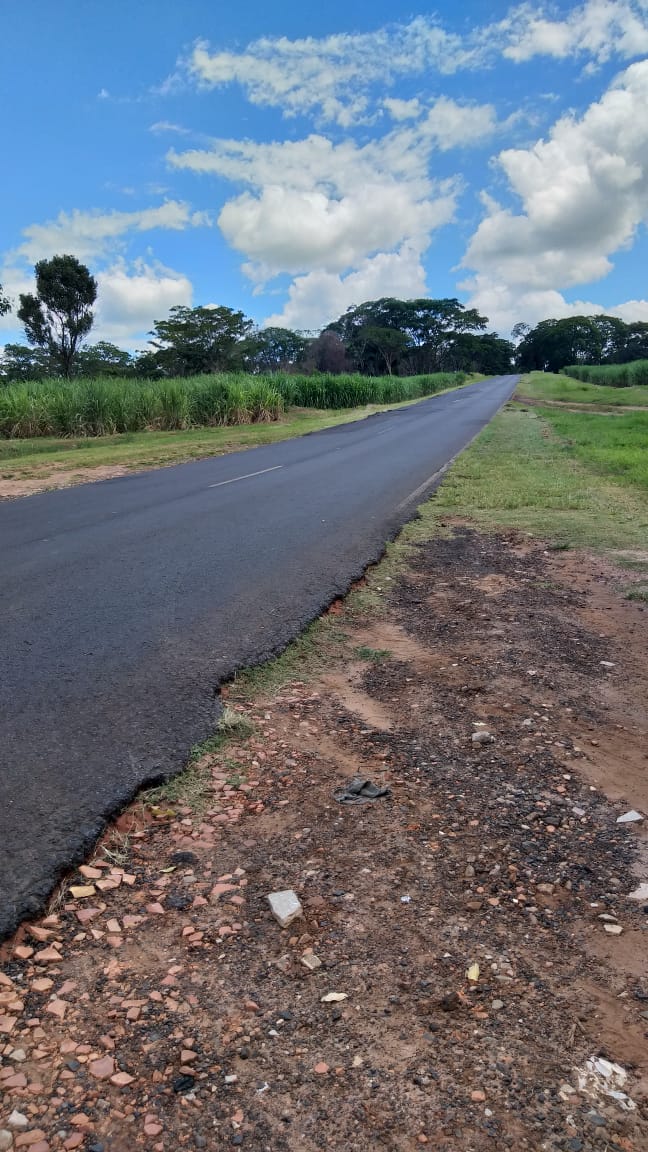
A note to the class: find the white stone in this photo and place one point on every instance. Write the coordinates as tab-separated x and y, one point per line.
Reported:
17	1120
630	817
311	961
640	893
6	1140
285	906
482	737
613	929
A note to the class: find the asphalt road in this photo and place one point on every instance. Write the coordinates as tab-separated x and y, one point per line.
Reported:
124	604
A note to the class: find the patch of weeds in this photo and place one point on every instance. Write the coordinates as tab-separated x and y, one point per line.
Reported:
319	645
117	850
364	652
640	593
191	789
233	723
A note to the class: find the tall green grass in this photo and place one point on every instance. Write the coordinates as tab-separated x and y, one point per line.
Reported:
551	386
104	407
614	375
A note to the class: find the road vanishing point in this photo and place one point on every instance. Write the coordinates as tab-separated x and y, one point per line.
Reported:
126	603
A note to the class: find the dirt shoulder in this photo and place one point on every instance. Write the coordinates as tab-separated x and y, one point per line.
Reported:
499	690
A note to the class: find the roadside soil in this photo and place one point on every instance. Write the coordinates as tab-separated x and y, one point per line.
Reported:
165	1008
46	477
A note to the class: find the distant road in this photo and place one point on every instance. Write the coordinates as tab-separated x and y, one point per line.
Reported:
125	603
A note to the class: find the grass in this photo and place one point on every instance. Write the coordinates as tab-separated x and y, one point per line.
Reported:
519	473
616	447
552	386
614	375
106	407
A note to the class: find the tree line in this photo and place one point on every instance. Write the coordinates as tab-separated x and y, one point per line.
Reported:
379	337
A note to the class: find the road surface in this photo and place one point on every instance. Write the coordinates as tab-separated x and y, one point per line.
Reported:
125	603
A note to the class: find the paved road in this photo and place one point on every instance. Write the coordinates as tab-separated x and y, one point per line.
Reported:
125	603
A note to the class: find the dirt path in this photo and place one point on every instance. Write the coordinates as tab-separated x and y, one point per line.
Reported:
574	406
167	1009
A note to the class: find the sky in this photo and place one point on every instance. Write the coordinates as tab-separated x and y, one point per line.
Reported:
290	161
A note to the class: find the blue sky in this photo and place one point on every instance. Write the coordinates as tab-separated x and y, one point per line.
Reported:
291	161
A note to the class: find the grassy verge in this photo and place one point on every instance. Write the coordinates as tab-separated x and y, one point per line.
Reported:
521	474
40	457
552	386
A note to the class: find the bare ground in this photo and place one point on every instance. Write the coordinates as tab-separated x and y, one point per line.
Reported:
167	1009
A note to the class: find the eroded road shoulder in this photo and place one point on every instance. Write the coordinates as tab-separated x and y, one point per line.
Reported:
474	923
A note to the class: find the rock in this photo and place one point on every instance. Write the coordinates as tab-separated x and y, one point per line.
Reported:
18	1056
334	997
640	893
6	1140
311	961
231	1079
630	817
497	1005
285	907
478	1096
613	929
321	1068
18	1121
607	664
482	737
102	1069
469	872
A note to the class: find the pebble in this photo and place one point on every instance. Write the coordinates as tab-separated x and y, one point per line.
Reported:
311	961
482	737
631	817
613	929
640	893
17	1120
321	1068
497	1005
285	906
6	1140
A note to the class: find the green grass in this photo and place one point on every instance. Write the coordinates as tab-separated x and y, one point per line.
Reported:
617	447
105	407
614	375
519	473
552	386
364	652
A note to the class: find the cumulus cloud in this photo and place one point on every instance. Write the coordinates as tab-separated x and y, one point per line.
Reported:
319	297
599	29
89	235
130	298
314	206
583	194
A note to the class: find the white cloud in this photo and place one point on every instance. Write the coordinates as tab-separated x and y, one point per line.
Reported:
89	235
317	206
599	29
319	297
336	77
584	195
403	109
131	298
332	76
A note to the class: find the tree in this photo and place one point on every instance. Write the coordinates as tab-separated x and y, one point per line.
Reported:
60	314
104	359
430	327
5	303
22	363
194	340
274	350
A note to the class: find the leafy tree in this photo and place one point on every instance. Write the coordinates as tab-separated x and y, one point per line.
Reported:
430	327
327	353
274	350
22	363
60	314
104	359
5	303
388	345
194	340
